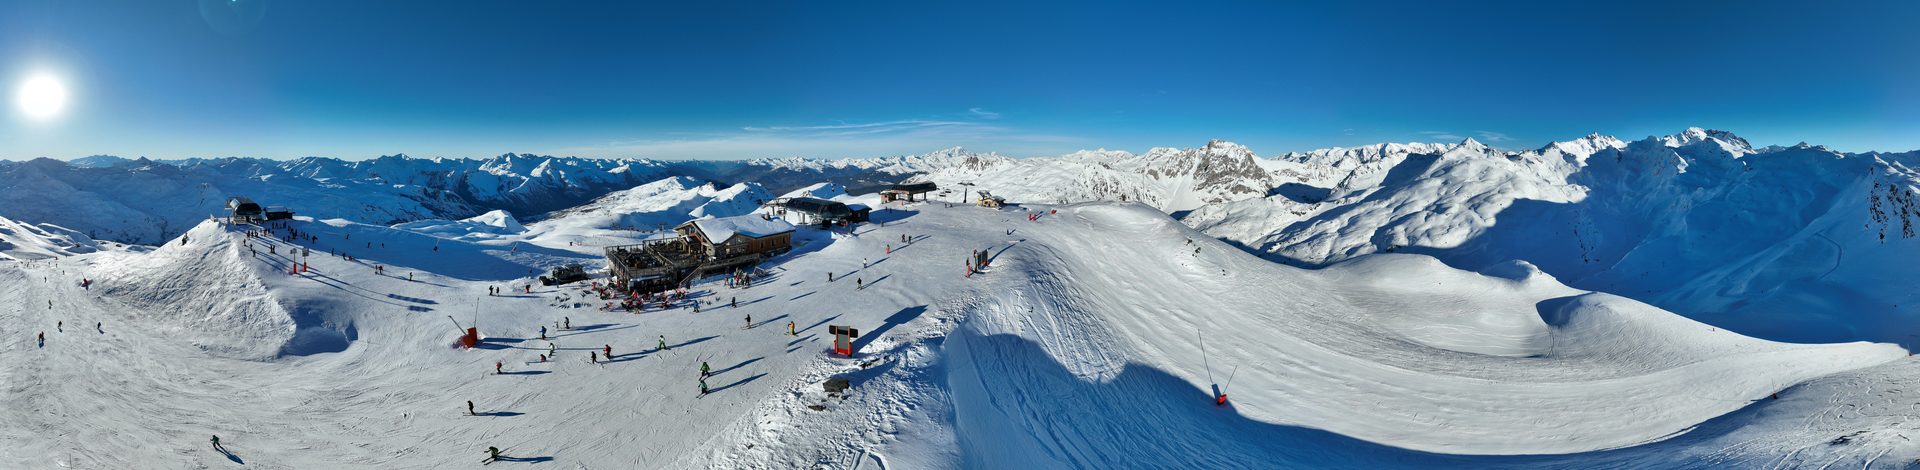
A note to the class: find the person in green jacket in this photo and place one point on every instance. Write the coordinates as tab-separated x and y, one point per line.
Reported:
704	369
493	453
663	343
216	443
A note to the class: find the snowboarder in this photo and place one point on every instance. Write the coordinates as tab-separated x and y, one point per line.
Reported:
663	343
470	409
216	443
704	370
493	453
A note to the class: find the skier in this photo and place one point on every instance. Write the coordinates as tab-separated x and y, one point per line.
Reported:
749	321
493	453
43	339
663	343
859	283
496	367
470	409
60	326
593	357
609	351
543	358
550	350
96	327
790	331
216	443
735	302
566	322
703	386
543	332
704	370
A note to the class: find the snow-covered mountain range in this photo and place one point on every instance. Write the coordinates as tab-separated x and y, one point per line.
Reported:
1699	221
146	201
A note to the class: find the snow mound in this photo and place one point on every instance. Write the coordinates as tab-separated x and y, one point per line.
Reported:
818	191
500	219
209	289
648	208
486	226
41	241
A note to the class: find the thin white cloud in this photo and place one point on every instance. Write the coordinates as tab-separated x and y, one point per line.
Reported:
1491	136
983	113
1442	135
846	129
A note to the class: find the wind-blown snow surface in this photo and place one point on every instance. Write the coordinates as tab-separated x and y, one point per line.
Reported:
1075	349
20	241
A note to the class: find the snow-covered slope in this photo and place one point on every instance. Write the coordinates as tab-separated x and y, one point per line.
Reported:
659	205
1075	349
20	241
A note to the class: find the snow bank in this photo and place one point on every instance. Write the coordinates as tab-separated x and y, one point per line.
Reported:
40	241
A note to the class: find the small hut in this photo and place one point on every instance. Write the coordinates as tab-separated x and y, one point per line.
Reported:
907	191
807	210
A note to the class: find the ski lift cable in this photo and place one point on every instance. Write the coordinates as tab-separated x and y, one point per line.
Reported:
1224	387
1203	354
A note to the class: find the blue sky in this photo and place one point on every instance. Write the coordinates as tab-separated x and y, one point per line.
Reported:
738	79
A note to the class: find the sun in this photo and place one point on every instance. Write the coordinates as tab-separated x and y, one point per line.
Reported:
41	97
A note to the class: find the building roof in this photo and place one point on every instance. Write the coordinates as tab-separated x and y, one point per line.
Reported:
922	187
720	229
821	207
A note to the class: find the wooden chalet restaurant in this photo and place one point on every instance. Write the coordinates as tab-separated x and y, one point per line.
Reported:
700	247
